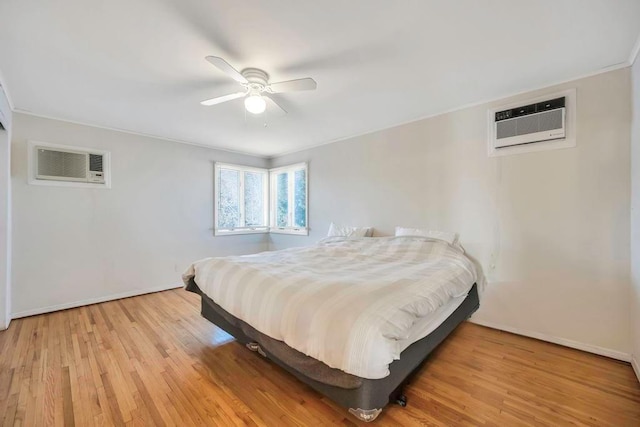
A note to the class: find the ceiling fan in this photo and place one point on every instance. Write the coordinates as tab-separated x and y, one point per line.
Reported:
256	87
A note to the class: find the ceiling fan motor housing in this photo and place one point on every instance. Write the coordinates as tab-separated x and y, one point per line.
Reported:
257	78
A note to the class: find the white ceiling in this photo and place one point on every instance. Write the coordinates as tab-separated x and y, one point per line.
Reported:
139	65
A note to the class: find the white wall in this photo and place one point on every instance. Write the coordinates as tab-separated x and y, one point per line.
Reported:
551	229
635	217
5	212
73	245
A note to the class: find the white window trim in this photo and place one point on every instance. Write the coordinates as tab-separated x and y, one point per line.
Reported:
303	231
240	230
237	231
269	200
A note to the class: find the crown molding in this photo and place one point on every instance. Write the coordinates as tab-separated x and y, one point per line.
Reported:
130	132
628	63
605	70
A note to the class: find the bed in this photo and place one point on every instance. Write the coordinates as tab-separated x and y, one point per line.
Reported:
352	318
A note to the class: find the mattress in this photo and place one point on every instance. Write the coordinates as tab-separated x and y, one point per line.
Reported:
304	364
365	398
429	323
352	304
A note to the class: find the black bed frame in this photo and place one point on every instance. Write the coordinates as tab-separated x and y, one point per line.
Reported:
367	400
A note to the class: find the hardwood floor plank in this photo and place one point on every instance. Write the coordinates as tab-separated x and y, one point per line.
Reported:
152	360
67	399
112	402
148	400
10	410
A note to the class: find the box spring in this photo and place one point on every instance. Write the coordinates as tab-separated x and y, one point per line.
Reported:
364	397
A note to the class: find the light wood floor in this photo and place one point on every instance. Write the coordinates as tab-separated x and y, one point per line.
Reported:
152	360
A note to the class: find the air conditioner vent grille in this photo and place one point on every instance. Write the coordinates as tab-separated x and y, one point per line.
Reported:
95	162
525	125
506	129
61	164
551	120
538	124
68	166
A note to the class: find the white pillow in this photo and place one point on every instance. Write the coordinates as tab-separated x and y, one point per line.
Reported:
344	231
447	236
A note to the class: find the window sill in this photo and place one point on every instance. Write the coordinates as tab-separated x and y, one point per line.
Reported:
296	231
293	231
236	232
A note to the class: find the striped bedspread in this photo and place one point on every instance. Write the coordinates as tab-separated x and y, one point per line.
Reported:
345	302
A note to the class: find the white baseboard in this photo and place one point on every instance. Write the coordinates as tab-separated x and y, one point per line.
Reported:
636	365
90	301
613	354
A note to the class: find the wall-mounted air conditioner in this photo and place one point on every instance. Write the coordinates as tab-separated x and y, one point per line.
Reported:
533	125
69	166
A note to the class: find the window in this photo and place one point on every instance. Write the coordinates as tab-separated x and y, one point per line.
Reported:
241	199
253	200
289	199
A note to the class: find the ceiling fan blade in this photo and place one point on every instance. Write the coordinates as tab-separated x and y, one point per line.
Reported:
224	98
293	85
274	107
224	66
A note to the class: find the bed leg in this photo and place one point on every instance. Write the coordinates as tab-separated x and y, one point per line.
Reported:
402	400
366	415
398	395
254	346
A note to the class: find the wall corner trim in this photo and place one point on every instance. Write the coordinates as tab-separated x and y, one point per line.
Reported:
89	301
3	88
635	363
634	52
589	348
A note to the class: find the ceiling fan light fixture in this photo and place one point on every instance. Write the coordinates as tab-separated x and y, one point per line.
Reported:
255	104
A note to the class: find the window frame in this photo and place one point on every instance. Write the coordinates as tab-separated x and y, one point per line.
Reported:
265	199
273	173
